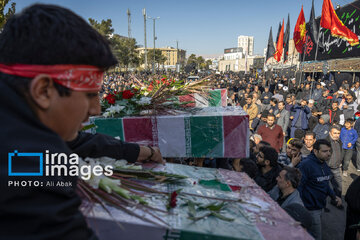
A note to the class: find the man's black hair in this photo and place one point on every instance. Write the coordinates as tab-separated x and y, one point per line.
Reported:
274	100
293	175
271	115
321	142
48	35
335	126
270	154
309	133
299	133
249	167
296	143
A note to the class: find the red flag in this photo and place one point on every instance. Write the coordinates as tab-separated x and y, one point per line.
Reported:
330	20
300	32
280	44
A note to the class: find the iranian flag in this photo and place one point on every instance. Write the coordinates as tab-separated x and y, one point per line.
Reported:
225	136
217	98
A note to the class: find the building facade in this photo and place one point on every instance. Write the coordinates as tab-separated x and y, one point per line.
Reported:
173	55
247	44
233	53
241	65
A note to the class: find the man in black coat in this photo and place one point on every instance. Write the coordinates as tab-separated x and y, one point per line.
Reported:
352	199
51	69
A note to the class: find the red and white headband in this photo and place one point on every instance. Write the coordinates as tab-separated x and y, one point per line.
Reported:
75	77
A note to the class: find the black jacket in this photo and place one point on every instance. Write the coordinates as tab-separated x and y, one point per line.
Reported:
99	145
352	199
42	212
268	180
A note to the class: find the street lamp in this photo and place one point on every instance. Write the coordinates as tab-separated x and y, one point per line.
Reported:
144	13
154	41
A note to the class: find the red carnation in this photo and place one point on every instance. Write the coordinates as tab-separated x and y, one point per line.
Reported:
150	88
163	79
127	94
110	98
172	203
157	81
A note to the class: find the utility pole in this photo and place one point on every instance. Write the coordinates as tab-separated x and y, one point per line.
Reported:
129	23
153	66
145	52
177	57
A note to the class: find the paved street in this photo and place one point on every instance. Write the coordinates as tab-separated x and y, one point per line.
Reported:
333	222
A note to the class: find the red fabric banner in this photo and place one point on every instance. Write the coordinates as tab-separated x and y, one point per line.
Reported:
300	32
280	44
331	21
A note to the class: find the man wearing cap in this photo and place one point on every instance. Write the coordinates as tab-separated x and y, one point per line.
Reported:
51	70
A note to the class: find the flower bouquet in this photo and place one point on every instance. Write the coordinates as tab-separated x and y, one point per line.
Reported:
153	98
133	189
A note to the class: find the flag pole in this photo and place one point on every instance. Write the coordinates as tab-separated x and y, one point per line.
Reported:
302	66
292	60
316	53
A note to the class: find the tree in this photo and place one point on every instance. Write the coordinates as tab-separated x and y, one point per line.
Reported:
122	47
5	16
125	50
199	62
159	58
192	59
205	65
104	27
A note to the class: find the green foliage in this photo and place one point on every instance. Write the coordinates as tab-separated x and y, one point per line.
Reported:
123	47
104	27
199	61
5	16
125	50
192	59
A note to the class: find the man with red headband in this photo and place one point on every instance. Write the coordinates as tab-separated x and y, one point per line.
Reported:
51	69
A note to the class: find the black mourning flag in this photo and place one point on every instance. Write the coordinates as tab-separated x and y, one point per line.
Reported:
270	46
313	29
287	39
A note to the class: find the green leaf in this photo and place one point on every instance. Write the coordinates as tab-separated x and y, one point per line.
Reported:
214	206
88	127
192	210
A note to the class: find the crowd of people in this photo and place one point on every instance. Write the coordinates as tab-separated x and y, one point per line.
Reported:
303	134
303	137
